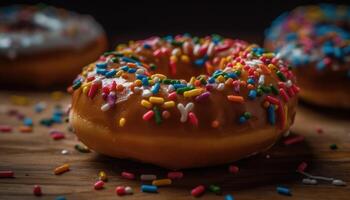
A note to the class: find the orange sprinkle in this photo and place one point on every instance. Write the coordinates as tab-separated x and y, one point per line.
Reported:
250	86
25	129
229	82
125	76
266	104
243	83
197	83
238	99
131	64
120	88
215	124
264	69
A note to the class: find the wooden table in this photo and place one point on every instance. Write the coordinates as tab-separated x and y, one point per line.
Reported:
33	156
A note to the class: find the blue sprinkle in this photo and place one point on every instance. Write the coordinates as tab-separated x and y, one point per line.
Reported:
101	71
229	197
199	62
291	37
232	75
320	65
147	46
149	188
271	114
252	94
126	59
102	65
242	119
132	70
337	52
140	76
211	80
28	121
179	85
124	68
60	198
283	191
250	81
39	107
155	88
328	50
56	118
217	72
111	73
145	81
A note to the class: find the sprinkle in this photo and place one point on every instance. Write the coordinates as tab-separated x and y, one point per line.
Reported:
5	128
93	89
39	107
60	198
175	175
233	169
122	122
146	104
272	100
82	148
284	94
194	92
105	107
333	146
271	114
37	190
158	116
7	174
184	110
338	182
229	197
198	191
28	121
156	100
202	96
155	88
64	152
120	190
128	175
148	115
215	189
252	94
168	104
236	99
148	177
149	188
128	190
161	182
172	96
281	76
56	135
76	85
19	100
99	185
102	176
193	118
61	169
308	181
302	166
293	140
283	191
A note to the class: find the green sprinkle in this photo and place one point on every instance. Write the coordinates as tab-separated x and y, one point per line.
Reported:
76	85
158	116
281	76
247	115
46	122
176	43
215	189
333	146
184	89
82	148
274	89
259	92
153	67
266	89
238	72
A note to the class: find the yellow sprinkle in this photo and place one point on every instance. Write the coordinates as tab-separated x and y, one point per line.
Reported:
185	58
61	169
19	100
151	82
85	89
220	78
86	84
119	73
146	104
156	100
162	182
122	122
173	58
168	104
57	95
102	176
160	76
271	66
138	82
194	92
268	55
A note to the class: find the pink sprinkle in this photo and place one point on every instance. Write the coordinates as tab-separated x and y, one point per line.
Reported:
128	175
6	174
291	92
172	96
233	169
175	175
5	128
148	115
302	166
198	191
93	90
37	190
99	185
293	140
193	118
57	135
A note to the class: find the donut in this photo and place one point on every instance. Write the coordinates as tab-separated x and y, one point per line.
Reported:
43	46
183	102
315	40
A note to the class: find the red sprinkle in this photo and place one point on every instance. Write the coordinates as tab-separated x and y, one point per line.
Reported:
302	166
175	175
6	174
120	190
148	115
233	169
37	190
284	94
198	191
57	136
272	100
93	90
293	140
128	175
99	185
172	96
193	118
5	128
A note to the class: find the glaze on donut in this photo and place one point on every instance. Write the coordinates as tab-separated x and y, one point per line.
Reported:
316	41
42	45
182	102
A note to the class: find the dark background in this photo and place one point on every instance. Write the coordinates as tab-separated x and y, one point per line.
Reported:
129	19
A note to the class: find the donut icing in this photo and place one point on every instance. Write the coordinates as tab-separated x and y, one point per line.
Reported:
182	88
33	29
316	35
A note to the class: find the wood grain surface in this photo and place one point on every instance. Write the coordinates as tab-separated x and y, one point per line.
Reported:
33	156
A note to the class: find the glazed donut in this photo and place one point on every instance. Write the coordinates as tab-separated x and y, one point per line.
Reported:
316	41
183	102
43	46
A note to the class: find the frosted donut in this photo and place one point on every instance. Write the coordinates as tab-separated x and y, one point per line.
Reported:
43	46
182	102
316	41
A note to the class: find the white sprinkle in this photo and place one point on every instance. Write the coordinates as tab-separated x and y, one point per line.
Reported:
261	79
184	110
221	87
186	47
140	71
196	49
146	93
286	134
170	89
105	107
289	83
128	190
338	182
210	50
176	52
148	177
309	181
156	79
137	90
64	152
